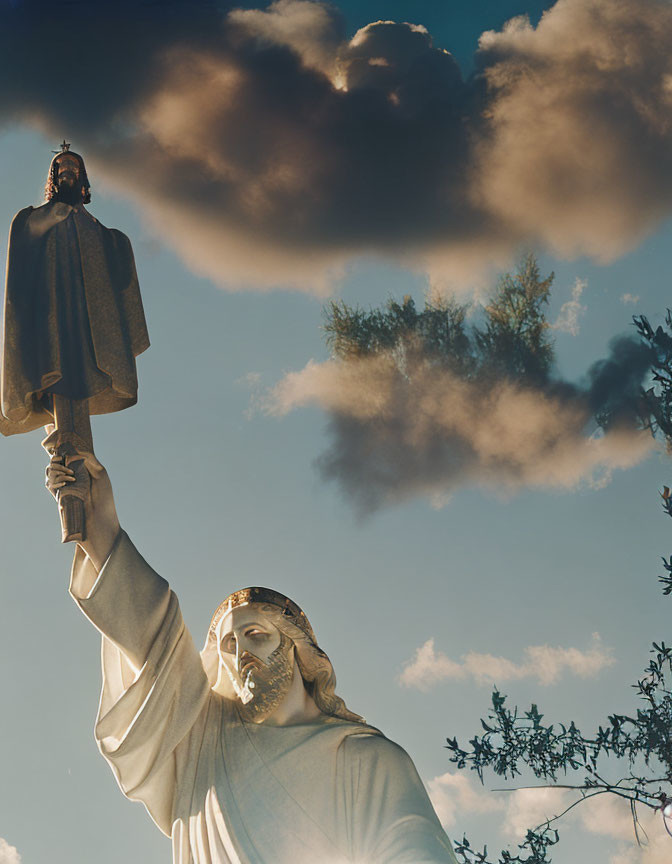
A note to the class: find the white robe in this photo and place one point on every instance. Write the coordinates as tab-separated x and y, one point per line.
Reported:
226	791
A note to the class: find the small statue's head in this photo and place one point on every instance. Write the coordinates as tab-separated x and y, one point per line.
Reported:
67	180
256	641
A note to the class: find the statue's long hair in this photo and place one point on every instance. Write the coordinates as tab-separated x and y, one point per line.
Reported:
314	665
51	186
315	668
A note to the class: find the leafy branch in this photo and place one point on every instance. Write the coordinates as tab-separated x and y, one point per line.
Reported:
512	341
513	741
641	742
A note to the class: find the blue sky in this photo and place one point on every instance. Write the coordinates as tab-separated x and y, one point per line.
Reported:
218	494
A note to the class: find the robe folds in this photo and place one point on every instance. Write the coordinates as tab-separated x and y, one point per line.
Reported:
227	791
73	316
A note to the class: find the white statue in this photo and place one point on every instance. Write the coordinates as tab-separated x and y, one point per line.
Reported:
242	754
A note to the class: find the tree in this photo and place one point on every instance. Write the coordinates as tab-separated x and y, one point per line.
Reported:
639	743
515	340
512	341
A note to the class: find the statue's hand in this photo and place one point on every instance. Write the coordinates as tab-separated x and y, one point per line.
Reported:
74	476
85	477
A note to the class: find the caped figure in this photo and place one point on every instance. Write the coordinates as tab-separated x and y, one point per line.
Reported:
242	753
73	320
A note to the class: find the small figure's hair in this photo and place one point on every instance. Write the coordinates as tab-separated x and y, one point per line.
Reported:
51	186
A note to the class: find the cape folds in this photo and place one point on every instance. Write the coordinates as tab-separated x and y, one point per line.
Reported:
73	321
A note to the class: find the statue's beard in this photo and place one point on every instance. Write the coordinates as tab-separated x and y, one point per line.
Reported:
265	687
69	193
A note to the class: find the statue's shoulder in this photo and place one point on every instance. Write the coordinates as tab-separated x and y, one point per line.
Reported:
368	745
40	210
119	236
21	217
121	240
39	220
114	234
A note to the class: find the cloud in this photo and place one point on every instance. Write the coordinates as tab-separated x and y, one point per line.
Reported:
611	816
8	854
570	312
629	298
430	431
542	662
266	148
605	815
571	103
528	808
455	794
312	30
249	380
657	849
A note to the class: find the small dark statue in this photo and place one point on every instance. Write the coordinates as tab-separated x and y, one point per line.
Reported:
73	323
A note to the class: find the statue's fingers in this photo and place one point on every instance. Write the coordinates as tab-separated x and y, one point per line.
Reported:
62	480
54	476
58	468
55	486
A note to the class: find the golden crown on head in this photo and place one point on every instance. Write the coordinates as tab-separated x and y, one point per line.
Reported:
291	610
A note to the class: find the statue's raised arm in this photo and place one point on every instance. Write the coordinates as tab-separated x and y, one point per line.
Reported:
73	322
154	685
242	754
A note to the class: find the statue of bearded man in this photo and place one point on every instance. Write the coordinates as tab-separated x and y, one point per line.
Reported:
242	754
73	320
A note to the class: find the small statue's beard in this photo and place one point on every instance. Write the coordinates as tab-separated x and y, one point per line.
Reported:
69	193
265	687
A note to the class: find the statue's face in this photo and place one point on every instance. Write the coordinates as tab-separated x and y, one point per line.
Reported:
258	660
68	170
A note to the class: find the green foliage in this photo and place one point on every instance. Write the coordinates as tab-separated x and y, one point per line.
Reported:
437	332
658	399
639	743
658	403
512	740
536	843
512	342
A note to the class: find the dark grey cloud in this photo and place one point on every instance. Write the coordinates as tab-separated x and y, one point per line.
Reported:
268	148
431	431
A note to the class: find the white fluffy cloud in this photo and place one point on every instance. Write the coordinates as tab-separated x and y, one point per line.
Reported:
528	808
571	311
605	815
458	795
543	663
8	854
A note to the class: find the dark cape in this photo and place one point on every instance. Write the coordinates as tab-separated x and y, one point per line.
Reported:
73	320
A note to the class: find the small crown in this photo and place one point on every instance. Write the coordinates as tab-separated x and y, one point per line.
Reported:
65	146
245	596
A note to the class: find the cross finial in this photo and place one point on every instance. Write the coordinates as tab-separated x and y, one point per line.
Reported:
65	146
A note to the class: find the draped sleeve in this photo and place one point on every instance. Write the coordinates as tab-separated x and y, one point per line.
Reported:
393	821
154	685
